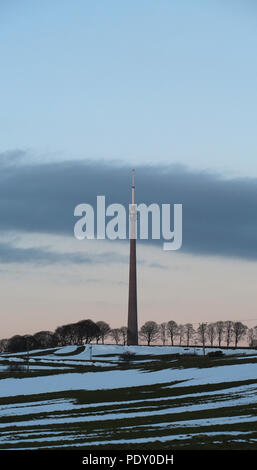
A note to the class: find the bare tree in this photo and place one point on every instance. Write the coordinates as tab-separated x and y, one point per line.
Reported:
181	333
73	334
87	330
3	345
172	329
163	330
116	335
228	331
202	332
124	333
252	335
63	335
211	332
17	343
239	330
104	330
76	333
68	334
150	331
220	331
46	339
189	332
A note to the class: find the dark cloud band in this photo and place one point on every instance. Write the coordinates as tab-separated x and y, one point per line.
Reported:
219	215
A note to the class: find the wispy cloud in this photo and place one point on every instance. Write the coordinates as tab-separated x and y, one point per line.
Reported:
41	256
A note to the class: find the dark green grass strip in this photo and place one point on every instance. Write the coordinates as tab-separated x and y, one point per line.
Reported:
127	393
179	437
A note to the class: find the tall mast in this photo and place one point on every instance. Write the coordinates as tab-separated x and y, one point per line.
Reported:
132	336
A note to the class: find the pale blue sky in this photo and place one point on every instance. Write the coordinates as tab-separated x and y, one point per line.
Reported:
140	80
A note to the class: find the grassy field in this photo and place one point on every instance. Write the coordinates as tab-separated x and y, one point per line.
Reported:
166	398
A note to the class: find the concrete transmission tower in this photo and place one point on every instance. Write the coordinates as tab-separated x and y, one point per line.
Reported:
132	337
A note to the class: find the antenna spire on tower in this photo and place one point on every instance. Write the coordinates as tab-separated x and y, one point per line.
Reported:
133	186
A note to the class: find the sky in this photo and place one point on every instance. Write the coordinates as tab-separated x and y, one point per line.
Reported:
89	89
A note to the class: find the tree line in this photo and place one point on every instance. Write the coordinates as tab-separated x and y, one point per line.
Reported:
220	333
81	332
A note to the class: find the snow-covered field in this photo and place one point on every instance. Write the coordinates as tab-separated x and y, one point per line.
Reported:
164	394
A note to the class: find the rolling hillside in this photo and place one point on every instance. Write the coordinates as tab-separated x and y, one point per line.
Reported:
162	398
